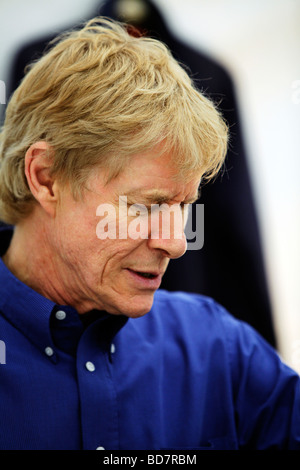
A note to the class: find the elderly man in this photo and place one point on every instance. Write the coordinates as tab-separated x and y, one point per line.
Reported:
96	356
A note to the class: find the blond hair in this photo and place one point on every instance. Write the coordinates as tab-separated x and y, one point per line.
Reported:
99	96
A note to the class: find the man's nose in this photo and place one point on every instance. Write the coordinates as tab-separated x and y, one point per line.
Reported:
172	247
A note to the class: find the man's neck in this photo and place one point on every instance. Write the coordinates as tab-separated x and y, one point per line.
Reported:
29	258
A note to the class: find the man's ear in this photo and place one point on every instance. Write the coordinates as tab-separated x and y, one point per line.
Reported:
38	174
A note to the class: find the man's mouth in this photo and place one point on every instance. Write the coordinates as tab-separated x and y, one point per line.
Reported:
146	275
151	279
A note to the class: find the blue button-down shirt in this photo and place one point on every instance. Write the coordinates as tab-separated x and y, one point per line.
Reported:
186	375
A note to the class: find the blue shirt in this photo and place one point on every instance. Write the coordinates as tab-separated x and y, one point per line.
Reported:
187	375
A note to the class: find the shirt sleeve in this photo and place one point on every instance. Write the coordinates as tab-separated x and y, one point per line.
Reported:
266	391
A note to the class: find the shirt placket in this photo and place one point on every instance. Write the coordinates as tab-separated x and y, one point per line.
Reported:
97	394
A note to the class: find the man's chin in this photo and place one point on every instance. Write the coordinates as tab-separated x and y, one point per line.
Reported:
136	307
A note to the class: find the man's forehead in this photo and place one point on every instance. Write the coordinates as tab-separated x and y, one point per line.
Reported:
155	178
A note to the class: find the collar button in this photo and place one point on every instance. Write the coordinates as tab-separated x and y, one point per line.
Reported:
49	351
60	315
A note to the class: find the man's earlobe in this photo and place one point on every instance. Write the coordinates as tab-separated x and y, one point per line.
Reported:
38	164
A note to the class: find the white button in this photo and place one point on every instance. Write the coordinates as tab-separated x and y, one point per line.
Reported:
100	448
49	351
60	315
112	348
90	366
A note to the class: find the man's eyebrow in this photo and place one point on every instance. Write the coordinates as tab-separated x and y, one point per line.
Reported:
157	197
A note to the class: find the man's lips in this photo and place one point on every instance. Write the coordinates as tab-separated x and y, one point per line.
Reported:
146	279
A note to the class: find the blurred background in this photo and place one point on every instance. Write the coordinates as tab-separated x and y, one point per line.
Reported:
245	55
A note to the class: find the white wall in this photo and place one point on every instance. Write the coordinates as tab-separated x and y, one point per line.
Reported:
258	41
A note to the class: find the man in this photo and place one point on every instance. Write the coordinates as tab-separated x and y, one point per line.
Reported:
96	356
